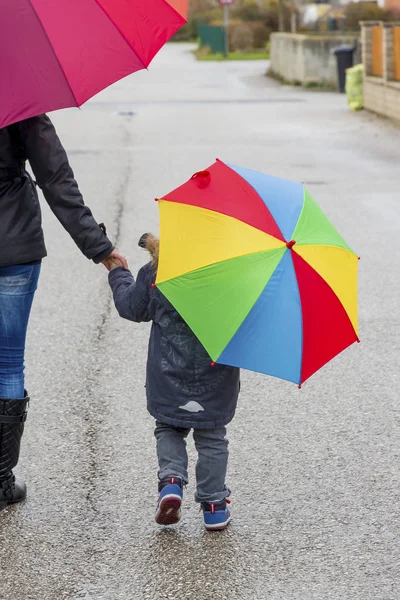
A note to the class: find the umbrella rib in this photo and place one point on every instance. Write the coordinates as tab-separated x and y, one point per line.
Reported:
240	180
219	262
300	382
31	2
301	244
121	33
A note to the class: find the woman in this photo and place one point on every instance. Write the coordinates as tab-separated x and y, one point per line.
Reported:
21	251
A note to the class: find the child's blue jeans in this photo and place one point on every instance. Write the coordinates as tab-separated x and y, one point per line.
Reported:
212	462
18	284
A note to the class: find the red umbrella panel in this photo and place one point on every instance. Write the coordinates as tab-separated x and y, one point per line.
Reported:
59	53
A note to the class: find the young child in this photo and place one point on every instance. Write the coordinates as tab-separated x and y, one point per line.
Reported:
185	391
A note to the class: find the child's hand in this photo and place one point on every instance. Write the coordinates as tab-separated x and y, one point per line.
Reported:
112	263
115	259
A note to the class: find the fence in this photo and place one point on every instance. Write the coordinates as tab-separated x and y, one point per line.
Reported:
381	43
377	50
381	58
396	53
213	37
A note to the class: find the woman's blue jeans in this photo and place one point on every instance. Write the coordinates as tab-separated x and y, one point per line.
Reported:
18	284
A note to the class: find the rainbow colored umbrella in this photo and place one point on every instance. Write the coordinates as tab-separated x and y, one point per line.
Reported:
258	272
59	53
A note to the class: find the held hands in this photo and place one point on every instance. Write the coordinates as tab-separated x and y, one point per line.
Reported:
114	260
112	263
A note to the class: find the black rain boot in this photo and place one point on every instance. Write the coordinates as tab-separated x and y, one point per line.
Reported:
12	418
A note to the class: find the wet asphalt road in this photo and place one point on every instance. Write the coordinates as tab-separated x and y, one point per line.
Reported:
314	473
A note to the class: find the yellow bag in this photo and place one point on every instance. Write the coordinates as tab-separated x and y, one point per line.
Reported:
354	87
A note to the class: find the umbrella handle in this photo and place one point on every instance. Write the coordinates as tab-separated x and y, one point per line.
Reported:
202	178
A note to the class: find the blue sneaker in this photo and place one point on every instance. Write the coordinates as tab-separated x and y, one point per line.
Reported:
169	501
216	516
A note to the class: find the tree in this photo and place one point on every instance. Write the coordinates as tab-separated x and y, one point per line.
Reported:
199	6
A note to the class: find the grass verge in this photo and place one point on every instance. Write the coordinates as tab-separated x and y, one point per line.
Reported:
262	55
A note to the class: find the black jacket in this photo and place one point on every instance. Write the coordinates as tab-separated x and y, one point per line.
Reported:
21	234
183	387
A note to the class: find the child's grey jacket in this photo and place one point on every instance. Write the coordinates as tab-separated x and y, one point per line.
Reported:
183	388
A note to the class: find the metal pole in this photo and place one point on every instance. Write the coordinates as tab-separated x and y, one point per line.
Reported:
293	21
281	24
226	26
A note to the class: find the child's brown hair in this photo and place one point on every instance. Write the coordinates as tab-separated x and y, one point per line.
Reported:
152	244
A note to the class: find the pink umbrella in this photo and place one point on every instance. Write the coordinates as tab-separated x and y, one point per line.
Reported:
59	53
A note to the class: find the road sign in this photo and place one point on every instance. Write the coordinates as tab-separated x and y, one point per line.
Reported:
226	4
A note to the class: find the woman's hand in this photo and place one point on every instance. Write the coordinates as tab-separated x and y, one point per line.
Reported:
114	260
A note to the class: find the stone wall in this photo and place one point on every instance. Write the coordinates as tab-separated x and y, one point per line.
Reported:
382	98
381	94
307	59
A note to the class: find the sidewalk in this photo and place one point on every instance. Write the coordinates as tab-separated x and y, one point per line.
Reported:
314	473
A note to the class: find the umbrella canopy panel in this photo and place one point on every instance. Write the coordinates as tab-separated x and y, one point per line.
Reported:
60	54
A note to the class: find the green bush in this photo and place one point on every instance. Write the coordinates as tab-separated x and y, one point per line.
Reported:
261	35
248	36
200	19
255	22
365	11
190	31
271	15
200	6
248	12
241	37
183	35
